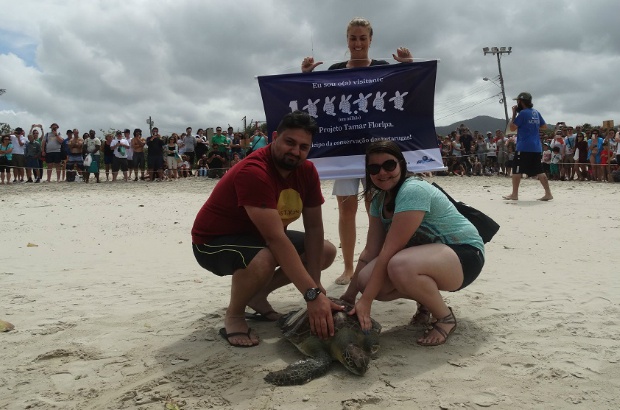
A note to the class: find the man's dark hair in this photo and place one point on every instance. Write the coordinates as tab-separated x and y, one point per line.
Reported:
298	120
527	103
137	131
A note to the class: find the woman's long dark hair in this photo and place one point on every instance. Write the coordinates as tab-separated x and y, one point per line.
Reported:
385	147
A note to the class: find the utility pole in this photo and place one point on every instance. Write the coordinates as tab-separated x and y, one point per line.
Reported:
498	51
150	122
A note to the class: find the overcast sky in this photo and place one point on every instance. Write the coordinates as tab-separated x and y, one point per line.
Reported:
113	63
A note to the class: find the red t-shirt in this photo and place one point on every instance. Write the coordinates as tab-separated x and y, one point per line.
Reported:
255	181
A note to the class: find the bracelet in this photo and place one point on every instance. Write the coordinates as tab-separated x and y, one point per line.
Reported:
362	260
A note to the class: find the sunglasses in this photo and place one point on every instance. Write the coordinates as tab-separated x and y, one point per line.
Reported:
389	166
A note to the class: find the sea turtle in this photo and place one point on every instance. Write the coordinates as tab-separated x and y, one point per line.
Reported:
349	345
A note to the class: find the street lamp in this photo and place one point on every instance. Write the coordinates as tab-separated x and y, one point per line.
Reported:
498	51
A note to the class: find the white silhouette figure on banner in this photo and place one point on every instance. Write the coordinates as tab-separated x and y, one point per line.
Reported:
399	100
362	102
345	105
329	107
378	102
293	105
311	107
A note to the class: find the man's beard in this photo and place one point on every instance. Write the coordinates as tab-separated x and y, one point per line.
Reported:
287	165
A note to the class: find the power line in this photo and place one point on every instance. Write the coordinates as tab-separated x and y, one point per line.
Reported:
468	107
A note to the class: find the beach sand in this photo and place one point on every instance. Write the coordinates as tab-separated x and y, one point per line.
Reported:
111	310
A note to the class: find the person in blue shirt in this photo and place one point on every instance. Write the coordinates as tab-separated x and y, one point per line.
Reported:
527	122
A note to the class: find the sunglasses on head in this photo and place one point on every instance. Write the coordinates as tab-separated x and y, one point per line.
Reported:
389	166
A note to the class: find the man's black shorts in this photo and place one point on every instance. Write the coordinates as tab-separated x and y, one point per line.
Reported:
226	254
527	163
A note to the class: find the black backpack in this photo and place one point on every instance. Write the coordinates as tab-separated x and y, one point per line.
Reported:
486	226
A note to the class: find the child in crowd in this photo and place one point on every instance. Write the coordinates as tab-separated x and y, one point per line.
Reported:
456	167
556	158
203	167
477	166
185	167
235	160
446	149
546	160
165	172
606	154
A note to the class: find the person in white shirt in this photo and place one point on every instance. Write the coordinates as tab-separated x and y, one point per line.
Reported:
119	147
19	140
189	146
129	152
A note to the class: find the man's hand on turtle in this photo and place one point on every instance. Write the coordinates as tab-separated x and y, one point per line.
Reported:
320	315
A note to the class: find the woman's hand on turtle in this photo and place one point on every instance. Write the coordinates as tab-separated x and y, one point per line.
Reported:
308	64
362	310
403	55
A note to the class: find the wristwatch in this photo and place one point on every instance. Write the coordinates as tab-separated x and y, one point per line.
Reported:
311	294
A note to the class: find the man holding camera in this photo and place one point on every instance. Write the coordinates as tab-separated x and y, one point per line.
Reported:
155	145
527	122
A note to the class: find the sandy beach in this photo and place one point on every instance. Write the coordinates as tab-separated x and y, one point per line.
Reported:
111	311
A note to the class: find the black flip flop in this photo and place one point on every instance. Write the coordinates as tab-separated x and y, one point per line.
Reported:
227	336
261	317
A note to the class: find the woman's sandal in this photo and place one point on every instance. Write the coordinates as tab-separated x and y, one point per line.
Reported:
448	320
422	316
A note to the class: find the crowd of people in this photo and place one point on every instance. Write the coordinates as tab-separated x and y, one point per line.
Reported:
33	157
568	153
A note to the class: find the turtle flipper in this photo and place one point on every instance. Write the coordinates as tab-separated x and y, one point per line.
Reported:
300	372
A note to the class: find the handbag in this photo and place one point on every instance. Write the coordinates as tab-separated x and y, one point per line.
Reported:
486	226
576	156
88	160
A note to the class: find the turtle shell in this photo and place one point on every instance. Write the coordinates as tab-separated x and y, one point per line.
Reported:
295	325
350	345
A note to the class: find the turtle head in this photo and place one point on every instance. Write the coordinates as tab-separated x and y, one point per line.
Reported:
355	349
371	344
355	359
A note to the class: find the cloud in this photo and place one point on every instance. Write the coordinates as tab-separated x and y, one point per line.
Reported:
114	63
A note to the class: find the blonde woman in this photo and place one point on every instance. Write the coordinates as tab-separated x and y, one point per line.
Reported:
359	38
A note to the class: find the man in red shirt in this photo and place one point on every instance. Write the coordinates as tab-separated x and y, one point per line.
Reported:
242	231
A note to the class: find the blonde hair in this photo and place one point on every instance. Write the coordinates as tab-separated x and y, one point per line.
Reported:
359	22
